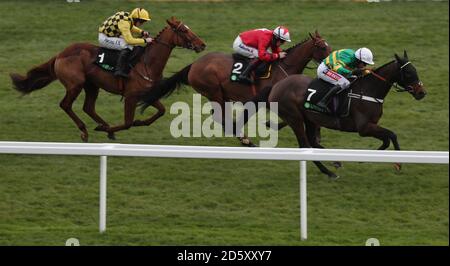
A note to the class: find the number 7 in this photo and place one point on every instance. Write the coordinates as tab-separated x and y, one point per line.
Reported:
311	94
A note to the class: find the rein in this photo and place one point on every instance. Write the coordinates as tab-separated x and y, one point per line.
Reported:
398	87
171	46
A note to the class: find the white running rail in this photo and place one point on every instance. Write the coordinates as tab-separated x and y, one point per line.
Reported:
291	154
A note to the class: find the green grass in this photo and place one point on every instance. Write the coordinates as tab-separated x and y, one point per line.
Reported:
45	200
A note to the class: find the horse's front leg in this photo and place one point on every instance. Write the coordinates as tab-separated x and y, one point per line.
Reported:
89	106
383	134
129	109
161	111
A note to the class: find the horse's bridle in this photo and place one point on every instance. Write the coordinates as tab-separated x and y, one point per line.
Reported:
171	46
315	44
398	86
178	32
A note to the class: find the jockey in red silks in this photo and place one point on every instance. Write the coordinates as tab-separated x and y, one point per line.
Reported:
255	44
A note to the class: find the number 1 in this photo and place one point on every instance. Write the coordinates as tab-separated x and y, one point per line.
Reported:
102	56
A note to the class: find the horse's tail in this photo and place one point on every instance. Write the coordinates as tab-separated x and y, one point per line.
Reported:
165	87
36	78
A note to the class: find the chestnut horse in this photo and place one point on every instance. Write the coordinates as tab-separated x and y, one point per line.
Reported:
76	70
367	93
210	76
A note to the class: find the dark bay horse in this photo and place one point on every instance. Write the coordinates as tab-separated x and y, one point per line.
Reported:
76	70
366	108
210	75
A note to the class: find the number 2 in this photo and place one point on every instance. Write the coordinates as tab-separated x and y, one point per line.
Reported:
237	68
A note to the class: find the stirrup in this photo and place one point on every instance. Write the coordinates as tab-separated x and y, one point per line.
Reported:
245	79
323	106
120	73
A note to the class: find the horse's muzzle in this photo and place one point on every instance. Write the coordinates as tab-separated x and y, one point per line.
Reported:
420	95
200	48
417	90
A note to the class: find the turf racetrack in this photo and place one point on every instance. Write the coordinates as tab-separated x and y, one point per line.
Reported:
45	200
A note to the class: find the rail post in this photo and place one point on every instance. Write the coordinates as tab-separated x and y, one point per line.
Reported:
103	166
303	203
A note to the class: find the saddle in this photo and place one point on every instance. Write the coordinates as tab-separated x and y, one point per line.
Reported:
339	105
107	58
240	63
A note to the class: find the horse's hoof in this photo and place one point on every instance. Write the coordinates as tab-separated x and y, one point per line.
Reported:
333	176
84	137
247	142
337	165
111	136
397	167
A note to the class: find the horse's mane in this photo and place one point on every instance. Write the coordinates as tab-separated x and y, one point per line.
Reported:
298	44
370	75
388	63
148	47
161	31
376	70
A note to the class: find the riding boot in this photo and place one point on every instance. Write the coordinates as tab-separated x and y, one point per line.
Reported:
137	52
122	64
245	75
323	103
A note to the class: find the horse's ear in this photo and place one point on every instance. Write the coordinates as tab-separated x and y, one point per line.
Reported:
397	57
171	21
310	35
316	32
405	55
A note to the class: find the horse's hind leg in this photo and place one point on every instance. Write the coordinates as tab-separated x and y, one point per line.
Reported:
295	121
241	121
277	127
313	133
161	111
66	104
89	106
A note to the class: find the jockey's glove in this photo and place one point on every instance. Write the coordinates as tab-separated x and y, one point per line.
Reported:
358	72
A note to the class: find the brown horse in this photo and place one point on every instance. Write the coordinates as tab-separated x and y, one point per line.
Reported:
210	75
76	70
366	108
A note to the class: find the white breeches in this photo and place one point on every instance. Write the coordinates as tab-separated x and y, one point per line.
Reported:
242	49
328	75
115	43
